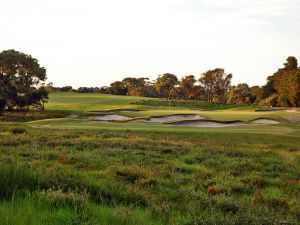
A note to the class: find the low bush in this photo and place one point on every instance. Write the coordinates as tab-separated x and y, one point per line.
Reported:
132	173
18	130
215	190
59	198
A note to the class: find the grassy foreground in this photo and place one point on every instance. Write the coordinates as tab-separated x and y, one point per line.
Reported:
76	171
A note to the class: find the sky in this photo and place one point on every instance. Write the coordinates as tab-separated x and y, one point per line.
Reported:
96	42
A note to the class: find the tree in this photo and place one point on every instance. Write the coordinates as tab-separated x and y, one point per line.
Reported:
165	85
241	94
2	97
135	86
37	98
19	75
49	87
104	90
257	92
216	83
150	90
65	89
284	85
187	86
118	88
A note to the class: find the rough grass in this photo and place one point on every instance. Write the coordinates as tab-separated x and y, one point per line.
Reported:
23	116
146	178
137	173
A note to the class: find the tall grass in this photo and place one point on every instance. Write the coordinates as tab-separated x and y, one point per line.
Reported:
16	178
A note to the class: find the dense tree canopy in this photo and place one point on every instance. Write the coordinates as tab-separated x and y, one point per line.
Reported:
135	86
118	88
257	93
283	87
216	83
20	76
240	94
165	85
187	84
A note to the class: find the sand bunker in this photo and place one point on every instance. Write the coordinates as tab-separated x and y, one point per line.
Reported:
208	123
290	110
264	121
110	117
116	111
169	118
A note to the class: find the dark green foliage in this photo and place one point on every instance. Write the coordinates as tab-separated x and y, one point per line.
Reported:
241	94
14	178
118	88
19	76
18	130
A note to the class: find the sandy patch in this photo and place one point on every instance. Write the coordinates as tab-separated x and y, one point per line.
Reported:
209	123
112	117
290	110
169	118
264	121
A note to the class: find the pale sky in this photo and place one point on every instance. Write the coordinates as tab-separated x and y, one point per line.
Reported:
95	42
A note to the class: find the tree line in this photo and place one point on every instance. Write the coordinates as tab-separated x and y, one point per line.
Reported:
22	85
282	88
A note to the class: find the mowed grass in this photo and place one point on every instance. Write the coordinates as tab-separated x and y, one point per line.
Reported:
94	101
89	101
84	102
76	171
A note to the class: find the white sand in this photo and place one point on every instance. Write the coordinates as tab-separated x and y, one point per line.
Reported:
113	117
206	123
169	118
264	121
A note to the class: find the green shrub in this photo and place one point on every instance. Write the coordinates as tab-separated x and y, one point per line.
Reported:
133	173
228	206
18	130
